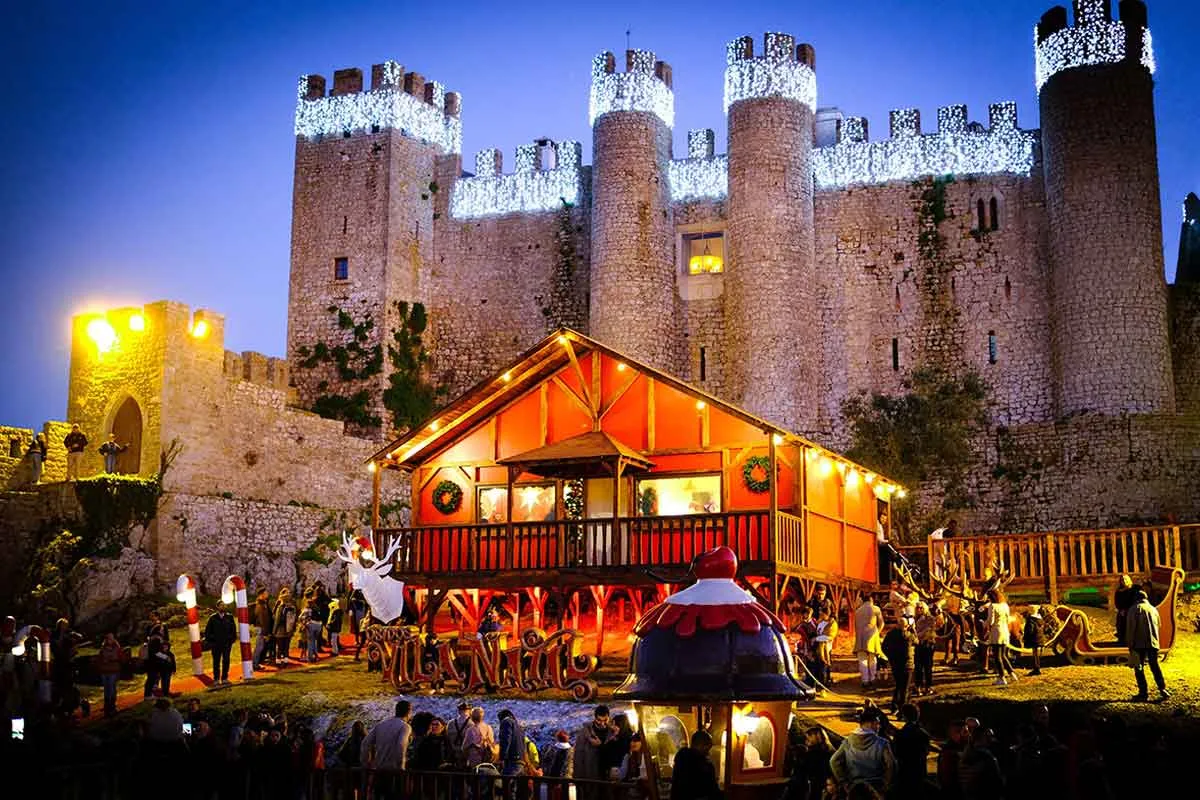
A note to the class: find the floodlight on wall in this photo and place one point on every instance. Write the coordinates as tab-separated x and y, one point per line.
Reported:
101	332
200	329
137	323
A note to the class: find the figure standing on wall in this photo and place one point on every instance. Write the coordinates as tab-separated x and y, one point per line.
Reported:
75	442
110	450
37	455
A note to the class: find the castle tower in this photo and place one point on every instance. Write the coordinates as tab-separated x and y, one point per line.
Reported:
1109	306
771	324
366	190
1187	269
634	306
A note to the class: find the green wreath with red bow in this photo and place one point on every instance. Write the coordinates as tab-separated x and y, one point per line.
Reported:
756	474
447	497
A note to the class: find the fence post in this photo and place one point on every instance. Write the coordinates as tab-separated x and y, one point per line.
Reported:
1051	569
1177	561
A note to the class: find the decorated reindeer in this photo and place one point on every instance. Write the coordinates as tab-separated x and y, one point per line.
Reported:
385	595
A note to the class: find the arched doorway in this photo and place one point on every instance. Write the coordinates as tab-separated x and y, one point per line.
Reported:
127	425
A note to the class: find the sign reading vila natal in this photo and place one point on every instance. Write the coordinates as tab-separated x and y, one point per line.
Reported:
539	661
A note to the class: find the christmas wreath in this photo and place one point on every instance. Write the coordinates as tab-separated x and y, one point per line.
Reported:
447	497
757	474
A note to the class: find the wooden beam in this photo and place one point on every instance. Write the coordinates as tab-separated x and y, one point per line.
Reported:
649	413
583	383
544	415
579	401
704	426
773	489
596	390
633	378
376	483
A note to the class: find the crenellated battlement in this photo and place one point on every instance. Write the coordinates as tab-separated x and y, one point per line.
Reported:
1096	38
645	85
257	368
702	175
958	147
547	175
784	69
400	100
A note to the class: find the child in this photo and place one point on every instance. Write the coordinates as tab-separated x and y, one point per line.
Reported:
1033	637
823	646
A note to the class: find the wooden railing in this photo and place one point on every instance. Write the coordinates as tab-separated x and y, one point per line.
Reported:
1066	558
790	542
584	544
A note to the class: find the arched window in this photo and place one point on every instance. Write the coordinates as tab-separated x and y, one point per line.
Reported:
995	209
981	212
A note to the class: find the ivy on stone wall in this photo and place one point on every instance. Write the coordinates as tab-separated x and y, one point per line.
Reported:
111	505
410	397
354	361
923	435
562	309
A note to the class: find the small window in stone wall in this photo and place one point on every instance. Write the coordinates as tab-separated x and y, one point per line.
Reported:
994	207
895	354
981	213
341	269
703	363
992	347
14	447
704	253
345	221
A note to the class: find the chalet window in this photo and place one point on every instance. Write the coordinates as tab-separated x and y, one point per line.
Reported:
531	503
675	496
704	253
759	749
992	347
341	268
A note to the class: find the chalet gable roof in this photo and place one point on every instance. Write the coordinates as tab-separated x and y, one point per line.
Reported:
578	456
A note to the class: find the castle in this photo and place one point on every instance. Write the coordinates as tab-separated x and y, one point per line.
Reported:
806	265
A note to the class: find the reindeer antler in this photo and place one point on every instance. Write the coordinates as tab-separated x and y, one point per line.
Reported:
346	551
384	565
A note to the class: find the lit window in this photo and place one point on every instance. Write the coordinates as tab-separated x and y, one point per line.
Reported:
341	269
758	752
705	253
530	503
671	497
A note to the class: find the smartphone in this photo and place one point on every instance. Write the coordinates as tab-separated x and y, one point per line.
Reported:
187	729
18	728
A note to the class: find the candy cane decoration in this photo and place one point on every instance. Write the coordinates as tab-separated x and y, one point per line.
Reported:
234	590
43	671
185	592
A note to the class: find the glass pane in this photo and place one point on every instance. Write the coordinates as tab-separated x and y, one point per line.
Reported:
759	749
667	730
668	497
706	254
530	503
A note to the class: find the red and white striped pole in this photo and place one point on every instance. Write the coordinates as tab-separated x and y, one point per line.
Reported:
45	694
234	591
185	592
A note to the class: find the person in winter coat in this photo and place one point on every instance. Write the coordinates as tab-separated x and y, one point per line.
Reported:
694	777
614	750
556	758
512	744
1124	598
264	646
108	664
865	757
826	632
898	647
635	769
998	617
219	635
947	761
812	770
911	746
925	629
433	751
1034	637
76	443
979	772
360	614
110	450
334	627
350	753
283	624
37	456
479	741
158	666
589	740
868	625
1141	632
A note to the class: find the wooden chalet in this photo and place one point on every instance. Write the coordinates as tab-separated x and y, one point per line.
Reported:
577	468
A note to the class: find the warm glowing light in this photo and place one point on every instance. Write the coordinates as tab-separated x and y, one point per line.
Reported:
620	367
137	323
102	334
870	478
435	425
810	454
745	724
700	405
826	467
200	329
562	338
529	497
900	493
777	439
852	478
371	467
394	453
506	377
632	715
841	467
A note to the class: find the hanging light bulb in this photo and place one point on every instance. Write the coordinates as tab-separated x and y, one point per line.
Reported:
706	261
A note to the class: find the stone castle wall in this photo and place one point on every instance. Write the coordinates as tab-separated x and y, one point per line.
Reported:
1185	346
876	287
16	468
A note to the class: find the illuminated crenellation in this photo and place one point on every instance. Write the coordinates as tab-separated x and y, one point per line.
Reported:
783	70
958	148
397	101
645	85
1095	39
535	186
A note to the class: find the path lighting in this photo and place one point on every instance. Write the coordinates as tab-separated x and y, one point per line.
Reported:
101	332
137	323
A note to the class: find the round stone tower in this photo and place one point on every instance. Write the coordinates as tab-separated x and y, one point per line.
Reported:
634	305
771	321
1109	302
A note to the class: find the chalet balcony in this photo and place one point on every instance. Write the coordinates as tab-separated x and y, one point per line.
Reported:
629	549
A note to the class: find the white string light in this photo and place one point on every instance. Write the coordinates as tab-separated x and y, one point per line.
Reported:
698	178
1095	39
775	74
528	190
956	149
639	89
385	107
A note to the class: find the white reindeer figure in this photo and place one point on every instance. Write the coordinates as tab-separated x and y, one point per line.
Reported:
385	595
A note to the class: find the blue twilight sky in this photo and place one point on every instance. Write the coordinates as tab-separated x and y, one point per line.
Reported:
147	146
